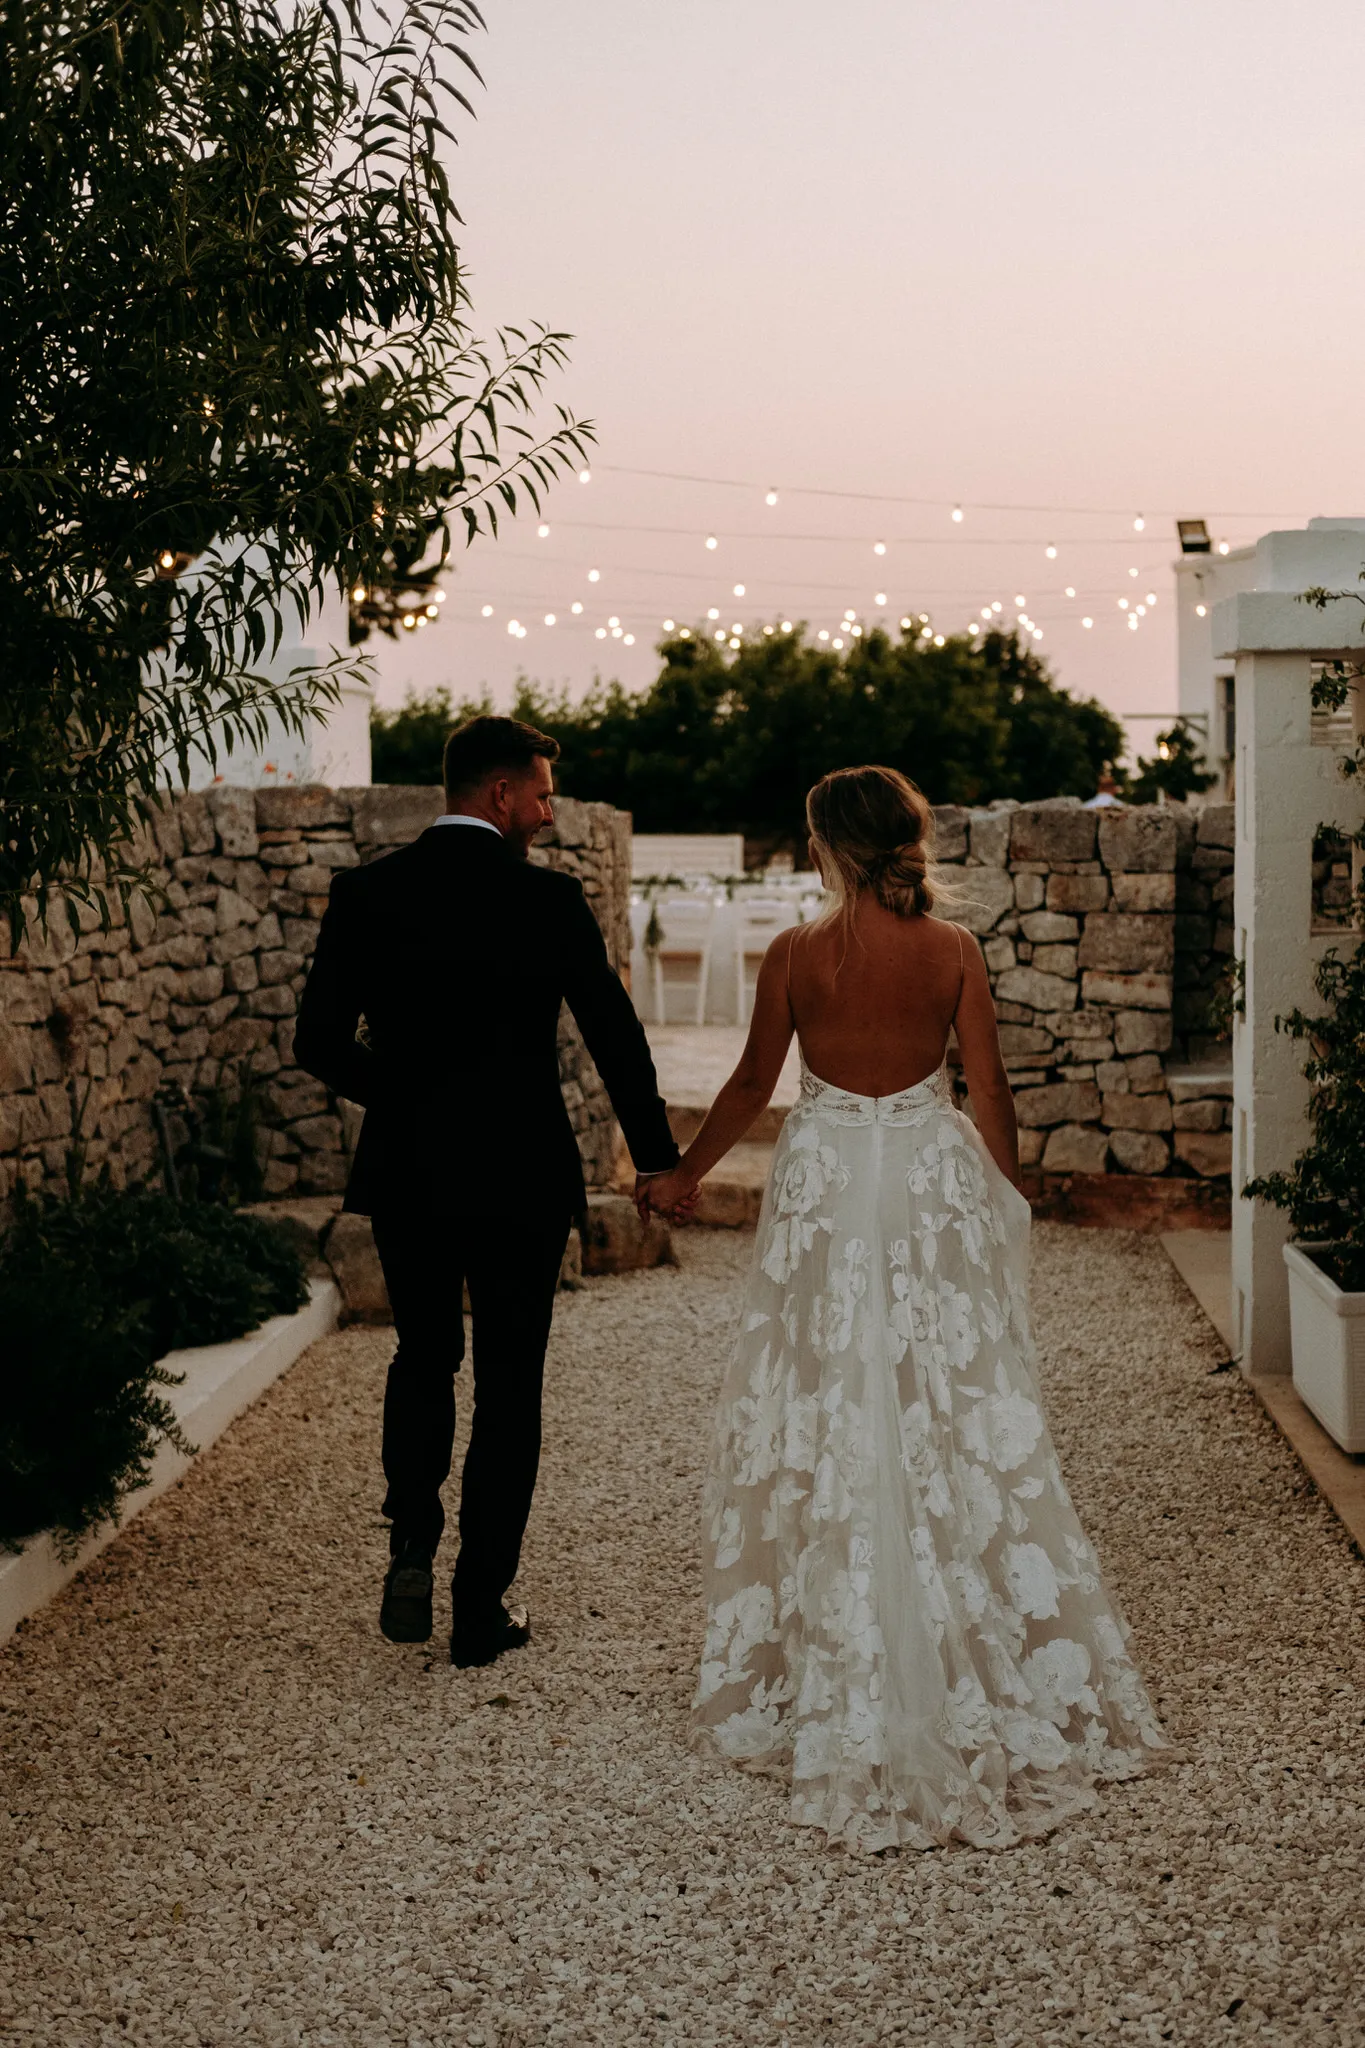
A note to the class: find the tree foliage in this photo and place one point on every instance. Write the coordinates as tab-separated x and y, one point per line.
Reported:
731	742
1177	770
235	329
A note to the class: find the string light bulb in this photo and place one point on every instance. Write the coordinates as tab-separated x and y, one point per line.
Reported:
358	595
513	626
938	640
1071	590
613	622
486	612
1139	523
668	625
1201	611
575	609
684	632
786	625
601	633
1222	547
739	590
958	515
771	498
879	547
1087	623
1132	572
822	634
879	597
1019	597
720	635
711	541
543	531
433	611
549	618
836	643
438	597
1123	604
594	575
1151	597
1051	552
906	623
166	559
629	640
585	476
713	613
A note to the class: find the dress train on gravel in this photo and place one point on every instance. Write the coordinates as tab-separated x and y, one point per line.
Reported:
903	1610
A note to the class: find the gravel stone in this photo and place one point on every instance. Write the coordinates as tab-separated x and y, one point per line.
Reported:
233	1814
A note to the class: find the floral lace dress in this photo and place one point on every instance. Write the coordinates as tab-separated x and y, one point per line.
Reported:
902	1607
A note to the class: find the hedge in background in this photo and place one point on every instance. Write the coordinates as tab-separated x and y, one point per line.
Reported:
93	1293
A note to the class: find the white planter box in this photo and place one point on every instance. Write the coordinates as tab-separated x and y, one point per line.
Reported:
1327	1332
220	1381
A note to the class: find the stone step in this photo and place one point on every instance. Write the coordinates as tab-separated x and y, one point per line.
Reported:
732	1196
686	1119
342	1246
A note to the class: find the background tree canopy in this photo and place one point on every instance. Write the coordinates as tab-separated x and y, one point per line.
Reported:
233	312
725	742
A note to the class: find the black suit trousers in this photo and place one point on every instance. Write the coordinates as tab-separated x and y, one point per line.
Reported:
512	1266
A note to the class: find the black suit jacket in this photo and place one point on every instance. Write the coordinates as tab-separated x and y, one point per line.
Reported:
457	953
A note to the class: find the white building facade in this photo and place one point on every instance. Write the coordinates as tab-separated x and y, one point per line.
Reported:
1330	552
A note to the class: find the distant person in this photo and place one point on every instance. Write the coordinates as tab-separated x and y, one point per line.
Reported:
903	1610
457	953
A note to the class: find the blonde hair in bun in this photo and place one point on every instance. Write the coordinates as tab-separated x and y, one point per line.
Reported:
872	829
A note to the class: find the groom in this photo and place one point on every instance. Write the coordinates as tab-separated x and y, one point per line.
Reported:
433	1001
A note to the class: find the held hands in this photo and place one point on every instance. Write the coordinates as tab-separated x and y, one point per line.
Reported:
672	1194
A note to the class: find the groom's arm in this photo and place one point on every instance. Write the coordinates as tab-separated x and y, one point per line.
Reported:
616	1039
325	1043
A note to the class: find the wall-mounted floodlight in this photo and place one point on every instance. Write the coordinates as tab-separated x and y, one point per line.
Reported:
1194	537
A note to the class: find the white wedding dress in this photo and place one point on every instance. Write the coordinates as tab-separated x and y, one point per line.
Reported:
902	1608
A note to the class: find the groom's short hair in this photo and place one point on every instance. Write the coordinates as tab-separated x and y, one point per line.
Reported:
490	746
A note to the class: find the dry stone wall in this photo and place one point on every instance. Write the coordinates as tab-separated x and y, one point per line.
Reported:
1105	935
107	1031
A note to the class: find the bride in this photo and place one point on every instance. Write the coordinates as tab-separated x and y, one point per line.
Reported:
903	1610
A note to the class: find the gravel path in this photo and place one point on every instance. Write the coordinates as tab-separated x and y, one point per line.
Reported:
233	1813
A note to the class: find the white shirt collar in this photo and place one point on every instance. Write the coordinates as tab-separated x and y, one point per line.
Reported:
463	818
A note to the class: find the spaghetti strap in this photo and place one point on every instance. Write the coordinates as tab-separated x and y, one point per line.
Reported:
791	948
961	976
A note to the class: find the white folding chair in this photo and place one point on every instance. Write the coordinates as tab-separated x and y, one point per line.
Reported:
758	920
682	958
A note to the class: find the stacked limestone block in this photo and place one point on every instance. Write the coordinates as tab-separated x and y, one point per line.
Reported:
1077	914
184	993
1203	928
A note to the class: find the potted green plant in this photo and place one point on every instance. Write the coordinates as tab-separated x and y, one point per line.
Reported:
1324	1193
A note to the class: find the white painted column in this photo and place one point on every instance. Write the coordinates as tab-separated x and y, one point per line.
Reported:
1285	788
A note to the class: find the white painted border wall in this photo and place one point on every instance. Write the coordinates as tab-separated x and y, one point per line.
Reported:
221	1380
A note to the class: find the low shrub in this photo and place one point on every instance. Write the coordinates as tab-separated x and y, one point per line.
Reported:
94	1291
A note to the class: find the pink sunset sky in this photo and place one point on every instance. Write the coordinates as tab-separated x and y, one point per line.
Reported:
1095	259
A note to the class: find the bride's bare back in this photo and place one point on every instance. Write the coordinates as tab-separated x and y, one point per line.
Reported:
872	1002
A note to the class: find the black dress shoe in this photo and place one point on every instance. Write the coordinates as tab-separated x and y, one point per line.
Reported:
405	1615
484	1642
